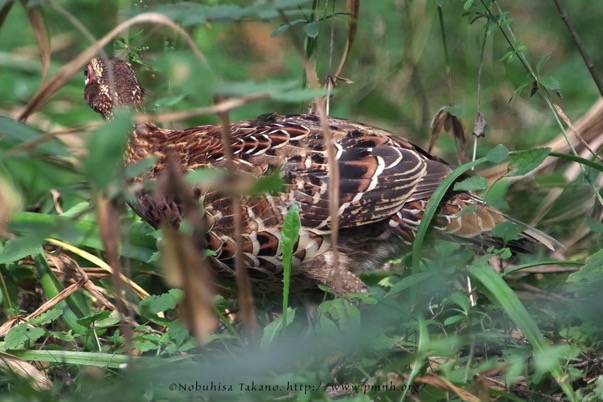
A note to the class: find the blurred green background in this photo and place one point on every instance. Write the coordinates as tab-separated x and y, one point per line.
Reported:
397	63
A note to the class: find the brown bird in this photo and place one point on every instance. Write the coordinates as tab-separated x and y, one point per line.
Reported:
385	183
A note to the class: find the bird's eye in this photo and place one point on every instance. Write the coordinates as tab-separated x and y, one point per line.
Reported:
86	72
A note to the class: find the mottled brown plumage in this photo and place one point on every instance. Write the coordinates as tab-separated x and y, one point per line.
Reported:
384	185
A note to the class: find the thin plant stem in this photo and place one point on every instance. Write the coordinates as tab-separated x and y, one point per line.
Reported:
594	72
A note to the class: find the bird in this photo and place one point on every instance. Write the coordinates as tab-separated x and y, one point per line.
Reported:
385	183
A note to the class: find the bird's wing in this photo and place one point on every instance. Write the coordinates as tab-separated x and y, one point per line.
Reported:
377	172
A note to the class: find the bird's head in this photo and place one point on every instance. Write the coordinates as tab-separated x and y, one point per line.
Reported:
110	83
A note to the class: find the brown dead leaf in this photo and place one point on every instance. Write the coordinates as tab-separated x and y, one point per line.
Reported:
71	269
182	259
445	385
569	124
10	202
352	9
42	40
485	382
245	295
446	121
108	218
479	126
185	267
24	370
109	225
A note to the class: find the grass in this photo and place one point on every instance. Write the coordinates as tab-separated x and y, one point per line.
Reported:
74	326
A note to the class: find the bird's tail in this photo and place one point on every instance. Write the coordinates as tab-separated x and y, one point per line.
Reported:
466	215
467	218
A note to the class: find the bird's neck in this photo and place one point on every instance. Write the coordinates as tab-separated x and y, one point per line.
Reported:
144	141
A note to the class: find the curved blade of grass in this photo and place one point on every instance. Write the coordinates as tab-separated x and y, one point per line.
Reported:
101	264
434	203
497	290
74	309
574	158
539	263
80	232
106	360
439	193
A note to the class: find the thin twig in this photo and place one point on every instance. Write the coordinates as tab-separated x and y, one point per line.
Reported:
245	296
594	72
446	55
331	154
217	108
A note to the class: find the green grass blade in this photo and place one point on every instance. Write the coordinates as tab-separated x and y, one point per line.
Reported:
434	203
574	158
107	360
500	293
289	236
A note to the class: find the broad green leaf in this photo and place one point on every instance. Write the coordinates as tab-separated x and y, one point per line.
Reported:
409	282
62	335
311	29
155	304
22	333
271	331
106	147
592	271
19	248
111	321
594	225
549	83
46	317
169	101
497	154
271	183
178	333
289	236
469	209
342	311
140	167
523	162
92	318
507	231
462	300
546	361
474	183
144	346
